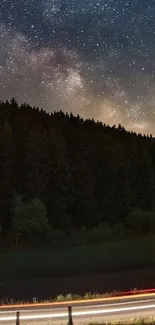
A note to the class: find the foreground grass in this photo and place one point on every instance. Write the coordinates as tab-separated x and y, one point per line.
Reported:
146	321
133	321
137	321
62	298
110	257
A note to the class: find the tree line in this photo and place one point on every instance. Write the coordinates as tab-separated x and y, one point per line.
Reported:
60	171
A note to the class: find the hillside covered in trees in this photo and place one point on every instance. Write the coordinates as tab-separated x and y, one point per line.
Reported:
60	172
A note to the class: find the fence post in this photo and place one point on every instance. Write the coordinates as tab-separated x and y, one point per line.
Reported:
70	318
17	318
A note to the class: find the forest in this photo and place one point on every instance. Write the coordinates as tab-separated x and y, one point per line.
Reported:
65	177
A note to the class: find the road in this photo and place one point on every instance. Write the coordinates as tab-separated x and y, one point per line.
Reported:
108	309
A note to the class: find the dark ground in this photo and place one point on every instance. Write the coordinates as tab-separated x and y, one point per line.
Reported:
101	283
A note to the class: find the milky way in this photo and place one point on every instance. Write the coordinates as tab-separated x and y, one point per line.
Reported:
95	58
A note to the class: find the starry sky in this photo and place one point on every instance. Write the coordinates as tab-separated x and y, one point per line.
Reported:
95	58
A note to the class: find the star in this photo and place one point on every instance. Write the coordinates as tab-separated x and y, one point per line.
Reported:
89	57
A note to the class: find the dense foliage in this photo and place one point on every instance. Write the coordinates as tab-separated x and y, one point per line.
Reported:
62	172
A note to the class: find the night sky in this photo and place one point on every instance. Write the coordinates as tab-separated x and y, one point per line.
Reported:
95	58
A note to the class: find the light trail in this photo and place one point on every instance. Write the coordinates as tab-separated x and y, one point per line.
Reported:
78	313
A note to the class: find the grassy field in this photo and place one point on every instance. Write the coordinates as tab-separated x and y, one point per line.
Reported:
111	257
